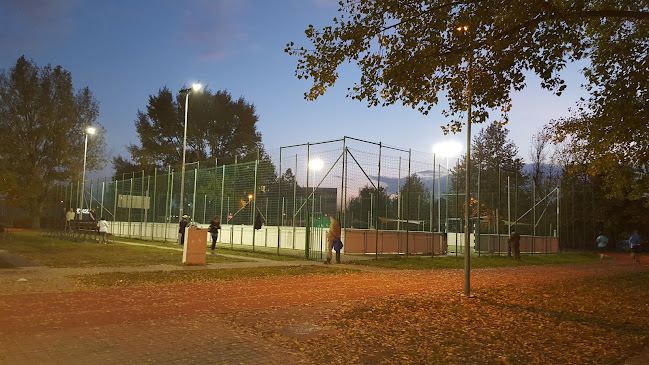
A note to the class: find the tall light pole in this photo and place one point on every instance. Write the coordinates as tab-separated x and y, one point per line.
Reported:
467	184
89	130
195	87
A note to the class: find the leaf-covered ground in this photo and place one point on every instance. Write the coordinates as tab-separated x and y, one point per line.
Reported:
588	321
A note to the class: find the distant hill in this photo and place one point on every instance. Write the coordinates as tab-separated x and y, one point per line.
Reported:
426	176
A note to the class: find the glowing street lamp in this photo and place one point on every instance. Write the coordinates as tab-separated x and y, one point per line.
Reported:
91	131
195	87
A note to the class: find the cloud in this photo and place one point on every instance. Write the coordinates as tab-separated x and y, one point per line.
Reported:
214	27
44	13
26	22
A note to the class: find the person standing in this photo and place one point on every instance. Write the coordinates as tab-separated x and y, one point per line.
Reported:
258	221
634	242
69	217
602	243
332	234
215	225
103	230
183	224
514	242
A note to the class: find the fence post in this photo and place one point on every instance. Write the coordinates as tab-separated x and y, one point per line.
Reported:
280	210
130	206
142	210
294	200
254	201
408	204
155	196
378	202
198	167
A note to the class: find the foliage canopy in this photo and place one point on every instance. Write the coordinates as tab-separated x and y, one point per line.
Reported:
411	52
42	131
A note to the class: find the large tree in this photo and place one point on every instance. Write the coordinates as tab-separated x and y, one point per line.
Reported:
218	127
42	128
494	157
411	52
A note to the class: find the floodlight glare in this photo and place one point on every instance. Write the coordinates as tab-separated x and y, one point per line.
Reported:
91	130
316	164
447	148
197	87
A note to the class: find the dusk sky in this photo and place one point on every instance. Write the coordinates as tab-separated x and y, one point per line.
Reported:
126	50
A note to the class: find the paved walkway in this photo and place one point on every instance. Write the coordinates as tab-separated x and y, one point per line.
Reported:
187	324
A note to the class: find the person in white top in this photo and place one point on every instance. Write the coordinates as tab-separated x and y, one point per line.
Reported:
69	217
103	229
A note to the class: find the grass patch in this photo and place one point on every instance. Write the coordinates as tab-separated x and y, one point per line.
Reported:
121	279
484	261
60	253
267	253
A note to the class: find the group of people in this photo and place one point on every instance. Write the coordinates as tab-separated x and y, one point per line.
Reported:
215	225
102	224
634	245
514	242
213	229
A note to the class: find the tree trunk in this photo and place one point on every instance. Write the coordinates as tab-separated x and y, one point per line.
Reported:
35	210
36	221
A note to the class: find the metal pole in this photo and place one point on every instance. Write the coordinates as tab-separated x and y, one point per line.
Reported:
222	191
558	220
378	201
115	208
280	210
198	167
399	197
103	187
182	169
432	199
155	196
142	201
477	229
167	202
294	200
254	201
439	199
83	179
409	182
509	214
533	214
130	206
446	213
467	236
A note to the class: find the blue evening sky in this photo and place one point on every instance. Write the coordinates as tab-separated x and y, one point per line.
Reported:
126	50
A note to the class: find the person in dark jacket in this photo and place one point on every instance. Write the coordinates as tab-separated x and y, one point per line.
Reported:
215	225
515	244
258	221
183	224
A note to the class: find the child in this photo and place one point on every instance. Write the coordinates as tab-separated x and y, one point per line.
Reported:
338	245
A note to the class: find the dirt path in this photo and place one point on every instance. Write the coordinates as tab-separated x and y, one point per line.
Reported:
33	325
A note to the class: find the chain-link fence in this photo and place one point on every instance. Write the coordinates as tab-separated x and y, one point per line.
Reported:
387	199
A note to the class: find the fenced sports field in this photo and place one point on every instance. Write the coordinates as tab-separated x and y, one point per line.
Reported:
387	199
